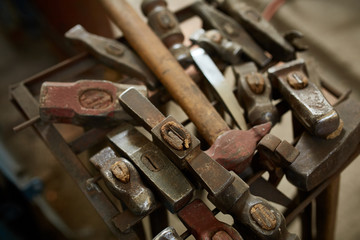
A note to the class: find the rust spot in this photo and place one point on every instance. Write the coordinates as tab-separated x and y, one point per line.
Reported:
121	171
176	135
256	82
95	99
263	217
297	80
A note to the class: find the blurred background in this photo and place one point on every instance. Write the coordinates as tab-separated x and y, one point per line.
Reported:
38	199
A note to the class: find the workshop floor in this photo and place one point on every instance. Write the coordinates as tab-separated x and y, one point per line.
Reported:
332	30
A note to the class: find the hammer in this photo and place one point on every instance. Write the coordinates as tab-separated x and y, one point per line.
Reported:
184	91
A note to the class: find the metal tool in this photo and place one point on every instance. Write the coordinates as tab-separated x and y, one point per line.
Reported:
320	158
164	23
214	43
230	29
226	190
197	217
124	181
305	99
254	93
85	102
171	185
168	233
222	89
275	155
261	30
113	54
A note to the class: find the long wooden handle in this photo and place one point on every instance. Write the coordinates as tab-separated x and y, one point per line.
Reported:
181	87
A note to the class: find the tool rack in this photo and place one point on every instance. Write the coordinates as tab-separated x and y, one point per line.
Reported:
122	223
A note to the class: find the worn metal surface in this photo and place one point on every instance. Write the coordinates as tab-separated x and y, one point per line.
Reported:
113	54
85	102
230	29
261	30
222	89
208	122
254	93
168	233
226	190
197	217
216	44
320	158
164	23
168	181
56	143
234	149
308	104
125	183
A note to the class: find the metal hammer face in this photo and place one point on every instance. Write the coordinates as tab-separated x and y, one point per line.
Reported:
305	98
124	181
171	185
85	102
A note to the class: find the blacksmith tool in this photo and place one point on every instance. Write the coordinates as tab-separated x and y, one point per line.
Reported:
306	100
164	23
85	102
171	185
215	44
180	86
261	30
124	181
230	29
320	158
114	54
199	219
274	156
255	94
221	87
226	190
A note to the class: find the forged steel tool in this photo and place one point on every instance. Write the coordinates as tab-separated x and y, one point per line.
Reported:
168	233
306	100
124	181
171	185
226	190
221	88
180	86
261	30
320	158
164	23
199	219
230	29
254	93
113	54
84	102
216	44
274	156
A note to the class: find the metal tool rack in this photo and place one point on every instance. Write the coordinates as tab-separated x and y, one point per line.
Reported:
25	96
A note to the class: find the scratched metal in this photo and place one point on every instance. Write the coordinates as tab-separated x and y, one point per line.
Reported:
136	196
320	158
168	233
308	104
168	181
